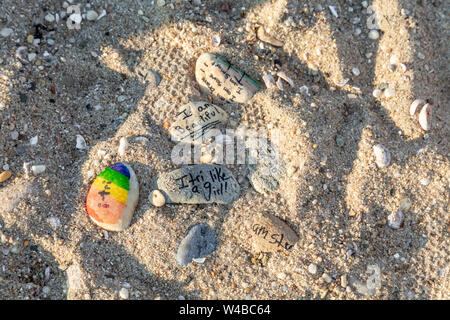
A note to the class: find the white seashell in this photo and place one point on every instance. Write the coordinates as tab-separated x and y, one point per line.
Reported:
102	14
382	156
415	105
37	169
304	89
425	181
341	83
199	260
215	41
393	60
377	93
403	67
395	219
283	76
123	146
280	84
157	198
265	37
20	52
356	71
333	11
425	117
81	143
269	81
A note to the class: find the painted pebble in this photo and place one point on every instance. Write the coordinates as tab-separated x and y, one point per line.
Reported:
113	196
270	234
198	243
218	77
202	183
195	120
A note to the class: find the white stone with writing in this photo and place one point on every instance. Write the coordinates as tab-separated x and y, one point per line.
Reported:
195	120
218	77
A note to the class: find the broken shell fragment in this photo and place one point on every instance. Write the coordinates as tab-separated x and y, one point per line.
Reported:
425	117
395	219
280	84
269	81
283	76
265	37
382	156
341	83
20	53
215	41
415	105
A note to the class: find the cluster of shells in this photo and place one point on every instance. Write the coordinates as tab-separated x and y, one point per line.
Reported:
424	115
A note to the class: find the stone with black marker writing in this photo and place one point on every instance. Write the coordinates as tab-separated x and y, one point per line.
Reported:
199	184
270	234
195	120
218	77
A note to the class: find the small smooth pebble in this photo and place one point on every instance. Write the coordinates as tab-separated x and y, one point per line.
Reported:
37	169
91	15
377	93
382	156
157	198
389	92
5	175
124	294
374	34
356	71
312	268
81	143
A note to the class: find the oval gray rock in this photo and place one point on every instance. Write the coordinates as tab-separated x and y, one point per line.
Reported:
195	120
199	242
217	76
199	184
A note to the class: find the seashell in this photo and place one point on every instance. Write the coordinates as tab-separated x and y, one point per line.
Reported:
341	83
395	219
265	37
81	143
333	11
415	105
382	156
157	198
283	76
425	117
403	67
280	84
356	71
37	169
123	146
215	40
20	52
269	81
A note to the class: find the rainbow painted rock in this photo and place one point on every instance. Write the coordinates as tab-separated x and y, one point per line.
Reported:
112	198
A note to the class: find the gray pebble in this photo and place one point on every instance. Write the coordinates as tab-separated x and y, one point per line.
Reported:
199	242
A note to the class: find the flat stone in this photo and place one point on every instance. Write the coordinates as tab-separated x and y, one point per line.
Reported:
266	168
199	184
270	234
198	243
195	120
112	198
218	77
